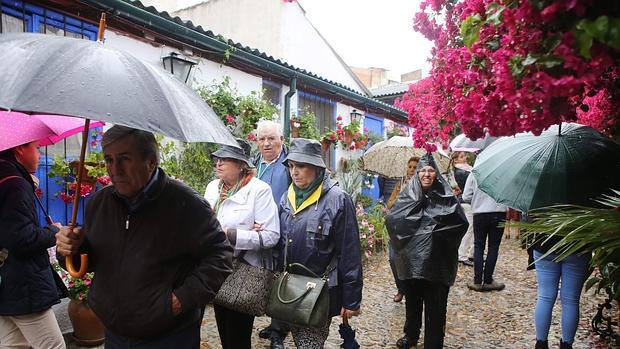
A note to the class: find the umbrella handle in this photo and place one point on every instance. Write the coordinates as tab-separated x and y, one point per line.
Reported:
345	320
76	198
83	266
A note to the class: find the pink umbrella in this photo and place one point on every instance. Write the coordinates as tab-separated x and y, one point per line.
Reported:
18	128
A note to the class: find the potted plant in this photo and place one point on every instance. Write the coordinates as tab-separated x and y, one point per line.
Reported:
87	328
65	172
307	125
295	125
329	138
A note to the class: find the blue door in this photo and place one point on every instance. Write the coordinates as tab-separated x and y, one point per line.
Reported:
373	124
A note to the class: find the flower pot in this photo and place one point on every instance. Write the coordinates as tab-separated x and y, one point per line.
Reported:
87	329
348	138
295	124
325	146
85	177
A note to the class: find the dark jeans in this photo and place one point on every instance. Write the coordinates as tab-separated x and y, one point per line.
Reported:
433	298
400	285
486	226
184	338
235	328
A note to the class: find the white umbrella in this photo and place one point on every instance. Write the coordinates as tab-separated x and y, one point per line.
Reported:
389	158
462	143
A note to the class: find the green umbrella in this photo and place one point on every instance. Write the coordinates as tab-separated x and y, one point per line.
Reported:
573	164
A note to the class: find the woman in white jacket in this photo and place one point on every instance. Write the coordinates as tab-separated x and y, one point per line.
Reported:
245	209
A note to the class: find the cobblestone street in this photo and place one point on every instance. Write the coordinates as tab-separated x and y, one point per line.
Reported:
475	320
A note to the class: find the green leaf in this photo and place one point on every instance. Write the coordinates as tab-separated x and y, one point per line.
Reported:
493	13
530	59
613	34
493	44
470	30
549	61
553	42
584	42
516	66
597	28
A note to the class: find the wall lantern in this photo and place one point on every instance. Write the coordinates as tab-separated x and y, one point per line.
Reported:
356	116
178	65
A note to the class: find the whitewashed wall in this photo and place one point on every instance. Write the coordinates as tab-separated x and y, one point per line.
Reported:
204	73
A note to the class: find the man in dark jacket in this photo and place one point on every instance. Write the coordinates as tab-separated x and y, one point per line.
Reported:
158	252
27	287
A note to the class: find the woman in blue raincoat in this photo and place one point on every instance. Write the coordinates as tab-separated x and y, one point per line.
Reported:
426	225
318	220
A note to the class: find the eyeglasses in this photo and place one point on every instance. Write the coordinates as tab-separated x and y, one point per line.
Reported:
428	170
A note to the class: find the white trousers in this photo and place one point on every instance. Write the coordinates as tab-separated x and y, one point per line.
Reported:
38	330
466	249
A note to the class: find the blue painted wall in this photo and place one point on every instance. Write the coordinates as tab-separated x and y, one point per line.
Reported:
374	124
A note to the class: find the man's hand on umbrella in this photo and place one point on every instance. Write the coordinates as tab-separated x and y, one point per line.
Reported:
68	240
349	313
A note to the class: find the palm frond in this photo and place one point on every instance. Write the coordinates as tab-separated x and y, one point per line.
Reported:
581	229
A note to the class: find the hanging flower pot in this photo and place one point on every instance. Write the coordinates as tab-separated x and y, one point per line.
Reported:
295	125
86	178
348	138
325	145
87	328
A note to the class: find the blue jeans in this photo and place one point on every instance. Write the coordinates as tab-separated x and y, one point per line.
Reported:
573	272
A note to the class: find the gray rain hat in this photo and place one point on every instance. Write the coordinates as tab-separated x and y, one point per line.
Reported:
307	151
242	153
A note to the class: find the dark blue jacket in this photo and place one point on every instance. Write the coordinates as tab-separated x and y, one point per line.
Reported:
326	229
276	175
27	282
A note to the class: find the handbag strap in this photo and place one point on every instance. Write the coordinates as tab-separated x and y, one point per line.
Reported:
289	301
261	250
329	268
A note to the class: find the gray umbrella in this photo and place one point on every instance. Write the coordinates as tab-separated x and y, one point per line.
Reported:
59	75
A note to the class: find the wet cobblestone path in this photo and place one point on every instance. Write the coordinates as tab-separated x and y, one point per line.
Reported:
475	320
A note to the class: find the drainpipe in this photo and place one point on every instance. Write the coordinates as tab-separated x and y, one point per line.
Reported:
287	107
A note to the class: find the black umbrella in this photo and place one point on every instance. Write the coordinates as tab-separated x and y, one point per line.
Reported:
348	335
48	74
59	75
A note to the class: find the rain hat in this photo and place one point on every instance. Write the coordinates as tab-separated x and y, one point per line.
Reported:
242	153
307	151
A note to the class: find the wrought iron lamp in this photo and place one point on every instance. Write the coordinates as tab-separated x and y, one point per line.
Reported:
356	116
178	65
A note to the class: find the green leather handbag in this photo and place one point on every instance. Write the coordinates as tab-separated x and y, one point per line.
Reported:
299	299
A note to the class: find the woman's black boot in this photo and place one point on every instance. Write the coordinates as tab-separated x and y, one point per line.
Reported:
541	344
564	345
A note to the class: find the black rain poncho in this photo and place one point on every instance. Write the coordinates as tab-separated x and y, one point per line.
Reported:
426	229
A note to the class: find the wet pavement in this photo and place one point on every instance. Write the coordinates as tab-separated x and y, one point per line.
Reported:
501	319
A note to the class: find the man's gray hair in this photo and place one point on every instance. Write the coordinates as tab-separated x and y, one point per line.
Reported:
144	140
269	124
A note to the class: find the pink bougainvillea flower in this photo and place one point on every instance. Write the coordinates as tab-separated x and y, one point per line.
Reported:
523	70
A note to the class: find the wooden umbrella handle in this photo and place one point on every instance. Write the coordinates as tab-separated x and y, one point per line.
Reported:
76	200
83	266
83	257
